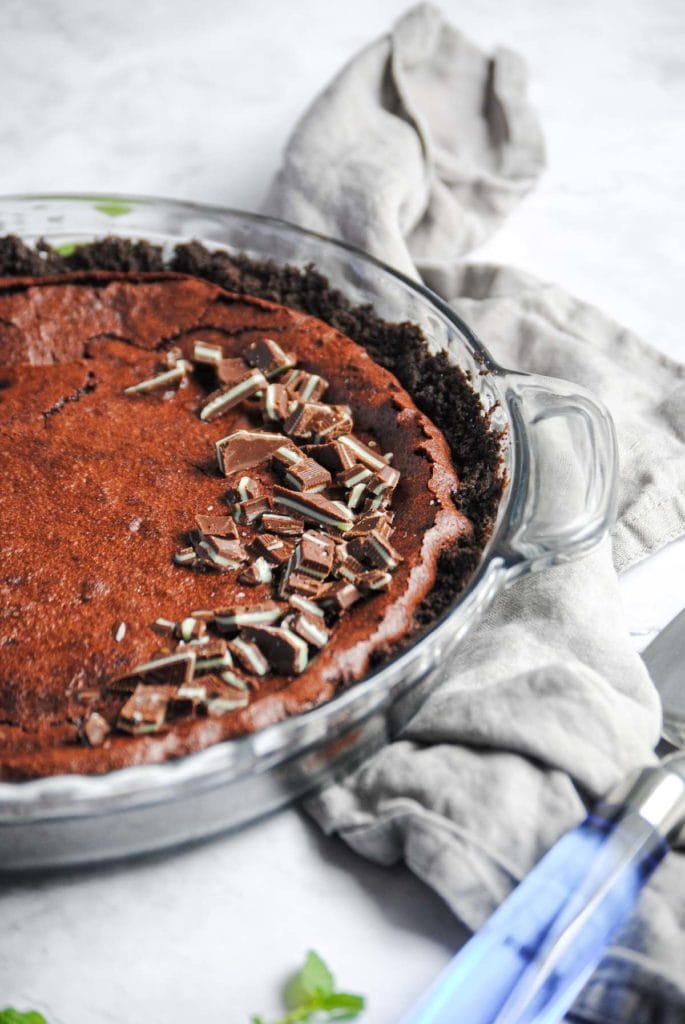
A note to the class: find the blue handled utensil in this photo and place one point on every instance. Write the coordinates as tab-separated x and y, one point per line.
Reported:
534	955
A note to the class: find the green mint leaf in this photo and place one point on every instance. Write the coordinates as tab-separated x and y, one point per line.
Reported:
10	1016
66	249
313	981
310	996
112	208
342	1005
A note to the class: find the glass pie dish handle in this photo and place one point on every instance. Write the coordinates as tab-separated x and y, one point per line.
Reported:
564	479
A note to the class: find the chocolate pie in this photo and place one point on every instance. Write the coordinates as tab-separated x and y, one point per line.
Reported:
219	505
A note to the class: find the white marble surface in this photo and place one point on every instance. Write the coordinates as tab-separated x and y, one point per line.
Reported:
195	101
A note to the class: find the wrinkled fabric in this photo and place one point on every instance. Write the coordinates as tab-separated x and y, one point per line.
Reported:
415	153
417	149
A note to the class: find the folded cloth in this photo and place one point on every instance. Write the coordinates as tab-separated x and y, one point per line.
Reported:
415	153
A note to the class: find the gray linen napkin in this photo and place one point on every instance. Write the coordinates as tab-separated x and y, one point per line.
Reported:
415	153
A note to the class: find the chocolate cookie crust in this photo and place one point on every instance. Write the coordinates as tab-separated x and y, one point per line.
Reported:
380	340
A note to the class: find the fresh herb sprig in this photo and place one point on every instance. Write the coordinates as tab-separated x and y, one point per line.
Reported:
310	996
10	1016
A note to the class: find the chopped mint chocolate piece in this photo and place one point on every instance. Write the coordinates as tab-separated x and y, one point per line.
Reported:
312	629
247	489
248	512
362	452
273	522
172	357
373	579
286	652
186	556
305	387
299	583
230	620
384	479
356	496
275	403
173	669
334	455
307	475
356	474
162	381
258	572
245	449
190	629
214	657
275	549
222	401
346	565
206	614
181	707
249	656
192	691
235	679
284	459
313	508
374	504
263	570
269	357
339	596
227	548
315	421
217	526
376	550
218	553
369	522
204	352
219	706
314	555
303	604
145	709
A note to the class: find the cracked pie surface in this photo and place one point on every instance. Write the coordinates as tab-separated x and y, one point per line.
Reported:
216	511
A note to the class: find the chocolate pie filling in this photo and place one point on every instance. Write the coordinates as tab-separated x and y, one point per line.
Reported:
217	508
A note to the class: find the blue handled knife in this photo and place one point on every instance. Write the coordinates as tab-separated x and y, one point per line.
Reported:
533	956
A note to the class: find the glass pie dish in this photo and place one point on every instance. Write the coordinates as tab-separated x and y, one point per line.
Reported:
549	429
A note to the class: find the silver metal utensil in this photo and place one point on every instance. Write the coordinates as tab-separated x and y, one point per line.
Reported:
665	661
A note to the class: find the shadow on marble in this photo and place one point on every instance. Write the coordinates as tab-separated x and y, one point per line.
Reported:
400	898
403	899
